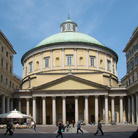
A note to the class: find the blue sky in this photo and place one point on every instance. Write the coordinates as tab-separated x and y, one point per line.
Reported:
27	22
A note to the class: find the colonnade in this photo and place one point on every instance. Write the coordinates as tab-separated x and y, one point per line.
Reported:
132	111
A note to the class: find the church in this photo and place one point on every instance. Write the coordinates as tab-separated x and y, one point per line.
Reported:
71	76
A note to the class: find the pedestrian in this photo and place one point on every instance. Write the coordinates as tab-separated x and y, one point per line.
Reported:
73	123
79	127
59	130
99	128
67	126
135	134
9	127
34	126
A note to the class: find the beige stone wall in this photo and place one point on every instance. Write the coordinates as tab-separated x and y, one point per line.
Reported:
57	66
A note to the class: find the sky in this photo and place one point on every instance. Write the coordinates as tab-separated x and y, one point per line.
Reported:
26	23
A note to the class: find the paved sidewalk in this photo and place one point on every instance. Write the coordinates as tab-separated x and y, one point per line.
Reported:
117	131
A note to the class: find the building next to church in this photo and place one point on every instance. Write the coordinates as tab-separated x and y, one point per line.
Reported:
8	80
130	80
71	76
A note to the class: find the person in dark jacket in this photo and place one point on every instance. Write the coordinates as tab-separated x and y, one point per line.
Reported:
79	127
9	127
59	130
135	134
99	128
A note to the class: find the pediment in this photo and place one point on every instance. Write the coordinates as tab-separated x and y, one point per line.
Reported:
70	82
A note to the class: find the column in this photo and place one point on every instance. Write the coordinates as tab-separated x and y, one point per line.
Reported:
3	104
106	109
86	109
64	109
113	109
44	110
34	109
19	107
27	106
129	110
121	109
11	104
87	59
51	59
54	110
137	108
76	109
63	60
96	109
8	104
19	104
103	106
133	109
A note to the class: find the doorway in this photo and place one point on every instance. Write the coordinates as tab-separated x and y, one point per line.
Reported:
70	109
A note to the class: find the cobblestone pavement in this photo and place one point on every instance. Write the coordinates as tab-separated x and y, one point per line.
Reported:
117	131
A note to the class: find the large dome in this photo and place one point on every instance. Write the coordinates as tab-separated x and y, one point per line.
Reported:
66	37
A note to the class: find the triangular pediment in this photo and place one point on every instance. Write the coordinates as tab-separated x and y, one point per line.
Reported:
70	82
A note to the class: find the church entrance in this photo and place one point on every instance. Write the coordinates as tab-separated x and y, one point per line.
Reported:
70	109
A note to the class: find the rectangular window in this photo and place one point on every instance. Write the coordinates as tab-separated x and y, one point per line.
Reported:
63	28
10	58
30	65
13	85
1	61
2	49
92	61
10	69
69	60
10	83
133	79
46	62
6	81
68	26
108	64
73	27
7	54
1	78
6	66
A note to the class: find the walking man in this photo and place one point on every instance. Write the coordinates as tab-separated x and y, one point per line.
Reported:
99	128
59	130
79	127
9	127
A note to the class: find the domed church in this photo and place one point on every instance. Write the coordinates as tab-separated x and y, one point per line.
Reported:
71	76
